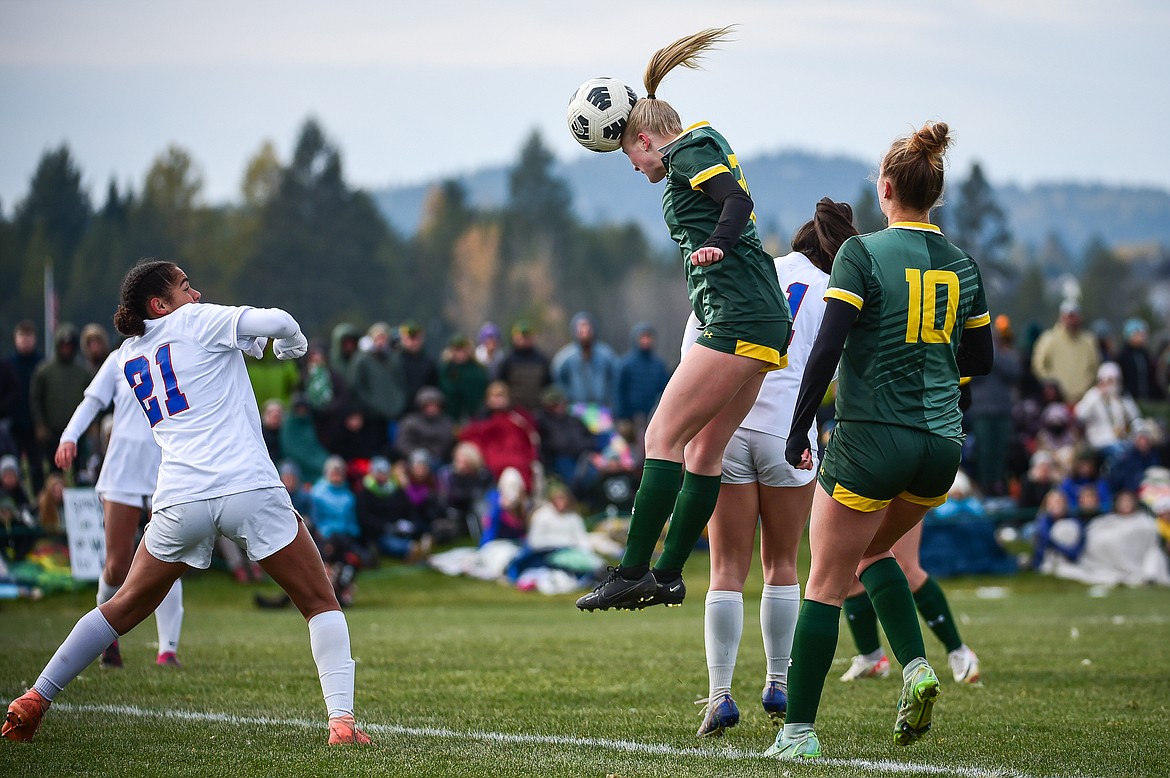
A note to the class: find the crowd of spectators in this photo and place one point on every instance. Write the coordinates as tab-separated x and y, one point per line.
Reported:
387	445
1072	426
391	444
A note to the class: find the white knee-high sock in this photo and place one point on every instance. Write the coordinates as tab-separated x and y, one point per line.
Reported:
168	618
779	607
90	637
329	639
106	591
722	630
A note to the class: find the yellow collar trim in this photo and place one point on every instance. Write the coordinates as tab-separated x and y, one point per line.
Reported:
916	226
679	137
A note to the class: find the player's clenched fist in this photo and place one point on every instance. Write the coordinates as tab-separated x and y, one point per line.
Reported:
291	348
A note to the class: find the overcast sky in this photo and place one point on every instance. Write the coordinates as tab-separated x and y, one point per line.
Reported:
1036	90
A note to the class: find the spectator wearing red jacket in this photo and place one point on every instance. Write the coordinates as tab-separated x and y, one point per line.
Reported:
506	435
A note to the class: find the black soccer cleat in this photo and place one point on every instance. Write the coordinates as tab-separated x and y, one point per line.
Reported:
618	592
670	593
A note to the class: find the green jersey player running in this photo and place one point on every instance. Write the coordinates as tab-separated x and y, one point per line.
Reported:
905	317
746	324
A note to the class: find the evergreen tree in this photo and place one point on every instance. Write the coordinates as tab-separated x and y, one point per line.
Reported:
1030	305
1105	285
979	224
322	251
425	287
164	221
102	260
538	229
48	225
538	200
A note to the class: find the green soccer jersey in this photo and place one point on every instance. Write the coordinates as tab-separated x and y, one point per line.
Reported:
916	292
742	287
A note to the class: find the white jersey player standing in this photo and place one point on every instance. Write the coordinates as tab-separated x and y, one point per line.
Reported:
758	484
184	363
125	485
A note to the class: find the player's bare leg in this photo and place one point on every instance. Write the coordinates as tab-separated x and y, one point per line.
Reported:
298	569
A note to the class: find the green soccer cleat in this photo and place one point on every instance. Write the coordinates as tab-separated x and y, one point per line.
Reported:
916	705
806	746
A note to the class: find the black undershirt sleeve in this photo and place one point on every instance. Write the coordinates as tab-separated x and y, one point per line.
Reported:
736	208
818	373
976	352
975	357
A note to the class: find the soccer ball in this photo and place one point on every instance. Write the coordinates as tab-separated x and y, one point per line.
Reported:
598	111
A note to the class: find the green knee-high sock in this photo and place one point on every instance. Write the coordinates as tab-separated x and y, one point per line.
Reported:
933	606
812	656
862	621
692	510
652	506
890	594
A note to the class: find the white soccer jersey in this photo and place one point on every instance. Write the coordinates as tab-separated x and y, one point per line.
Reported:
133	456
187	373
804	285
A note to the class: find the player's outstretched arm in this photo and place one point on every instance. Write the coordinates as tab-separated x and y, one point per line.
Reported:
289	342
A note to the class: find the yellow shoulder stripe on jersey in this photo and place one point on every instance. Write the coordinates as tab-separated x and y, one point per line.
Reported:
845	296
982	320
856	501
964	380
706	175
929	502
917	226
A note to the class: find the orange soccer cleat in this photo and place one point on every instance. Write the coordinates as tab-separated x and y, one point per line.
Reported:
24	716
344	731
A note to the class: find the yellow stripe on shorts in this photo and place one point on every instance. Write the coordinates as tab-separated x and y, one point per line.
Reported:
773	358
929	502
856	501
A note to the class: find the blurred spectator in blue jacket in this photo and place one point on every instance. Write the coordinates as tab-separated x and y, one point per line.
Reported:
336	527
586	368
1086	471
642	375
1057	533
334	504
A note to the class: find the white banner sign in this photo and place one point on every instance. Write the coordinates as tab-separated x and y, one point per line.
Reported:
85	527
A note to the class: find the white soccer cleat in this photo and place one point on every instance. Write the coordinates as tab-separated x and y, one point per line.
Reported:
964	665
867	668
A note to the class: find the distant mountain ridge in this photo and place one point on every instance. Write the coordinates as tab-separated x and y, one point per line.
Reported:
786	184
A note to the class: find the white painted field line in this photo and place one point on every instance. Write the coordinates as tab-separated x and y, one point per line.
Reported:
883	766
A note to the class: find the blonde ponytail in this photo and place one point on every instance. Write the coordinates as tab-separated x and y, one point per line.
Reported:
654	115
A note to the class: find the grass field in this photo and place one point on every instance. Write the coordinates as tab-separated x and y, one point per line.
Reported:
466	678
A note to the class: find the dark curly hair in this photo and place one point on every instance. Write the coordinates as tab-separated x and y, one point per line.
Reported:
148	278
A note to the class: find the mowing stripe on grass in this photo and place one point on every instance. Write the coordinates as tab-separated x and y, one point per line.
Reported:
630	746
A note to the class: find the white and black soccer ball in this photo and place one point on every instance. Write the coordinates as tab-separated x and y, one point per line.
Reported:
598	112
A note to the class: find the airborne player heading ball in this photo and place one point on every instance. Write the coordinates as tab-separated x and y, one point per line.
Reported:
746	325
